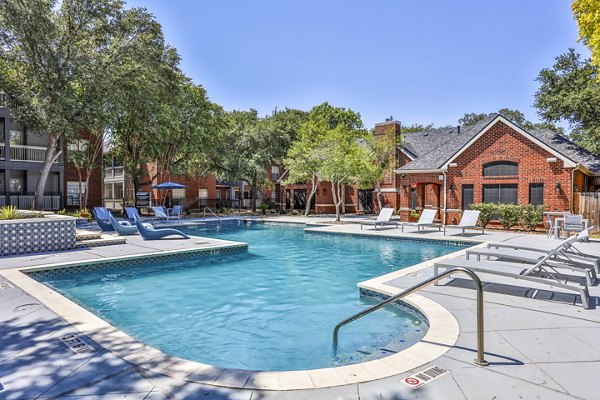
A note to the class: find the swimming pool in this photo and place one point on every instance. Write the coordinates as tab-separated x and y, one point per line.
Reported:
271	308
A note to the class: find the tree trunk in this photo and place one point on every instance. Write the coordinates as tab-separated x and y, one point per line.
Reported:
79	188
88	174
51	155
343	198
253	195
379	196
313	190
335	202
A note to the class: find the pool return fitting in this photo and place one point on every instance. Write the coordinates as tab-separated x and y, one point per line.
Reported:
479	286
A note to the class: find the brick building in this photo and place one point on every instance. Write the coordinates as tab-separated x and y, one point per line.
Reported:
448	169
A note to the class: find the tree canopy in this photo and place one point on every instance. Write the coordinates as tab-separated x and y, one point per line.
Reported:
570	91
587	14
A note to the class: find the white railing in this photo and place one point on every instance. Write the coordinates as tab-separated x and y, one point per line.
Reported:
116	172
20	152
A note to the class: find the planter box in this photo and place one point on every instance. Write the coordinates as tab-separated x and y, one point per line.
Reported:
37	235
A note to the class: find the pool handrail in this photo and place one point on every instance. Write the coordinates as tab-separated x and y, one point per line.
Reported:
480	360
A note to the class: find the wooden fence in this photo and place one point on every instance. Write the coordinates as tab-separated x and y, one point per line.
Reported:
588	205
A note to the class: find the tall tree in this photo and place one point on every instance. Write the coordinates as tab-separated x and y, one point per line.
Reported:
50	53
250	144
149	81
587	14
570	91
305	158
472	118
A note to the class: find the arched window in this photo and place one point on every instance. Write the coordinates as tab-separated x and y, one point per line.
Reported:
501	168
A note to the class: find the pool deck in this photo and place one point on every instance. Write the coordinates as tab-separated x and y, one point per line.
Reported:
536	348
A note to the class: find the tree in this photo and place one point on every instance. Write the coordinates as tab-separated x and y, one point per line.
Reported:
472	118
149	82
587	14
305	158
382	151
416	128
248	145
85	155
570	91
49	56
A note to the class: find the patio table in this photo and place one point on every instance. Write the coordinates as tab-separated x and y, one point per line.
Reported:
552	217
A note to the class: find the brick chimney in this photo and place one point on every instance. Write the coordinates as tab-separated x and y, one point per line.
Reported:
387	126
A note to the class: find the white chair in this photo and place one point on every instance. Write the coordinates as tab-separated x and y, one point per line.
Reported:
426	219
572	223
384	217
467	221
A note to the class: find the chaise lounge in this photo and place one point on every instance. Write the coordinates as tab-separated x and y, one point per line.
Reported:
425	220
467	221
383	219
103	219
154	234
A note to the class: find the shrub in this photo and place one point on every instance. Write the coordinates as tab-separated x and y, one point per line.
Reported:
85	213
414	215
510	215
9	212
487	212
295	212
532	216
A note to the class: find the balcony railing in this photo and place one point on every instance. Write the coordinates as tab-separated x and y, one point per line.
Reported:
116	172
24	201
20	152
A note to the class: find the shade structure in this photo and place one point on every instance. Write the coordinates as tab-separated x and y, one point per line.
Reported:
169	185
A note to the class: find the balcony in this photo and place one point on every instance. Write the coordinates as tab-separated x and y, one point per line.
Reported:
20	152
24	201
114	173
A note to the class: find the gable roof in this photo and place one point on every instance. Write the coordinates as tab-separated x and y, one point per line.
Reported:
436	148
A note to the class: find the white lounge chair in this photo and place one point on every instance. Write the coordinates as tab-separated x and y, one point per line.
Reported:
539	273
467	221
425	220
568	252
553	259
384	218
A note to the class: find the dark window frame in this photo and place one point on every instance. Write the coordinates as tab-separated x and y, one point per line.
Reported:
504	190
462	196
500	168
534	197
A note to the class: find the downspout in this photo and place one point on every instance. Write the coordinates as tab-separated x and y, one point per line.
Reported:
445	198
571	209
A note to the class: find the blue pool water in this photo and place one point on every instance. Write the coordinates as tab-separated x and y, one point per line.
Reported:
272	308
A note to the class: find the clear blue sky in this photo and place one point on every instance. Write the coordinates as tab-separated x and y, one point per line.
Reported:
420	61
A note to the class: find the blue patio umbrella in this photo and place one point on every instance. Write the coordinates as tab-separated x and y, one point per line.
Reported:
169	185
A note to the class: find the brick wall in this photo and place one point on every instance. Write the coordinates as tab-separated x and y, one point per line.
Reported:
95	182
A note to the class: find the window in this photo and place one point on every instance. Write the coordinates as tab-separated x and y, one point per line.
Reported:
202	197
74	189
108	191
536	193
501	168
274	173
178	194
16	185
467	197
500	194
16	136
78	145
413	198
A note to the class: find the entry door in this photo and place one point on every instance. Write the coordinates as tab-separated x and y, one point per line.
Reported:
299	199
365	200
467	196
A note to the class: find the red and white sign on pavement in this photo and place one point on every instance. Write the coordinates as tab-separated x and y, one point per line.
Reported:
421	378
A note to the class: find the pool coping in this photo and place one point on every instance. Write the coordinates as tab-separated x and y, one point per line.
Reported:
442	335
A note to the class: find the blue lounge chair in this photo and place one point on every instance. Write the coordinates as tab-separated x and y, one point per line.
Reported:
121	228
132	213
160	213
153	234
102	217
176	212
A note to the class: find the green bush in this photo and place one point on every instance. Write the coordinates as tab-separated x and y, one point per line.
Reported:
533	215
414	215
487	212
510	215
9	212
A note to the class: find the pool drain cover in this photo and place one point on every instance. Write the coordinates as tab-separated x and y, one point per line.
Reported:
76	344
421	378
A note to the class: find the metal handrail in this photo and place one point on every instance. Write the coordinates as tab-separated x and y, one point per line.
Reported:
480	353
212	212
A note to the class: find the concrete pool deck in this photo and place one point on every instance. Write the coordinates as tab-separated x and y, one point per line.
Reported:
537	349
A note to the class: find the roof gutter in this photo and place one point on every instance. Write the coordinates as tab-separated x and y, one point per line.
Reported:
419	171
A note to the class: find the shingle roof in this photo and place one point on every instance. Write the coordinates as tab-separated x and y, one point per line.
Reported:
568	149
434	147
